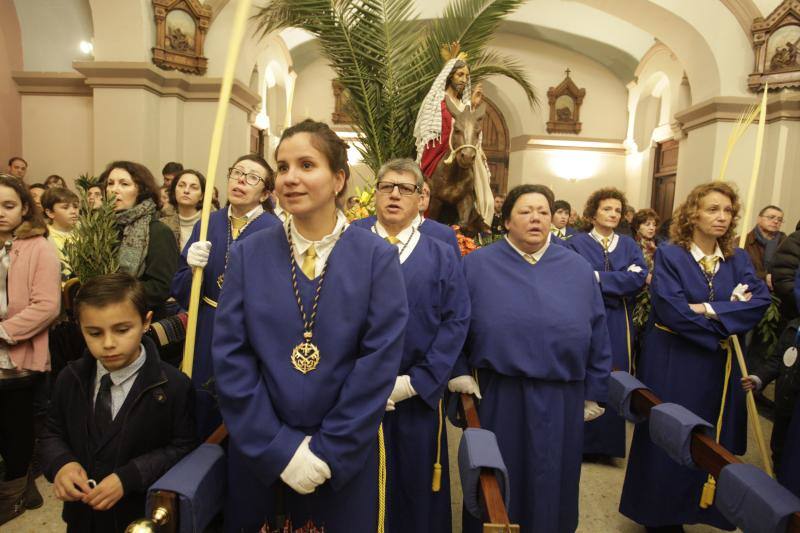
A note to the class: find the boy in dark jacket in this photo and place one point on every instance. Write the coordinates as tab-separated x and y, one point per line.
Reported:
120	417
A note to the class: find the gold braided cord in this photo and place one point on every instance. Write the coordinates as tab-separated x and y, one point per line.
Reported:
436	483
628	337
710	486
381	481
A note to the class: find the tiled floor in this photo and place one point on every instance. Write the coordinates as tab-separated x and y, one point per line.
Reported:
600	489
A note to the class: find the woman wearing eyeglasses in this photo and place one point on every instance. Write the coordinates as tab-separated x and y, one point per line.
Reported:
250	180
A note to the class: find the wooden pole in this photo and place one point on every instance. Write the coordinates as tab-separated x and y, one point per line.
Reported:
237	33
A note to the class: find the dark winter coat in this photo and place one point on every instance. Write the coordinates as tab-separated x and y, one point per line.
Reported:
784	270
153	430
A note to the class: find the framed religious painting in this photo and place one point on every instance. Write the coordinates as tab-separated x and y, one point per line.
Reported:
181	27
775	45
565	102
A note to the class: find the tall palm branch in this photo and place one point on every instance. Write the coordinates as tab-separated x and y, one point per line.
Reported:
386	58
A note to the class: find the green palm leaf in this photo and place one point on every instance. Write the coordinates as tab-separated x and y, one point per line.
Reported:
386	60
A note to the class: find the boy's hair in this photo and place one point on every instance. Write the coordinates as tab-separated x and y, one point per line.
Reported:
57	195
171	168
561	204
37	186
108	289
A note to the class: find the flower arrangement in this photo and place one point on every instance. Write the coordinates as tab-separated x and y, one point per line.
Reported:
365	206
468	245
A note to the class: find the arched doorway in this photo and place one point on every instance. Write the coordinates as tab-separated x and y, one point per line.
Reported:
496	146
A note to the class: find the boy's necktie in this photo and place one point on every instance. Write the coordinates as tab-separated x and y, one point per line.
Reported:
102	405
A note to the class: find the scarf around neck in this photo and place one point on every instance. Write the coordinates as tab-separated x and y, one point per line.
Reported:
135	226
770	246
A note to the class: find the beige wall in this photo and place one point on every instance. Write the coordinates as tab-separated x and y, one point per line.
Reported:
542	166
700	160
58	136
10	103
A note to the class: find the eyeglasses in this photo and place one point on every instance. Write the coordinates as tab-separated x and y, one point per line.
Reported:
249	178
774	218
406	189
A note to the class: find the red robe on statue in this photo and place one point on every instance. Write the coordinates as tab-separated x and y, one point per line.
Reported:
436	150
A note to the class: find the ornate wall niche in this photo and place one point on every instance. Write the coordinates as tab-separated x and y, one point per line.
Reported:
181	27
776	46
341	109
565	106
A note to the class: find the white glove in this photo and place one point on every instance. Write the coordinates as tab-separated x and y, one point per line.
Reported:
402	391
591	410
739	295
635	268
305	471
465	385
197	256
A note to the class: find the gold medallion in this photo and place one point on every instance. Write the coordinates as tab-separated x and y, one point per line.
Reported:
220	280
305	356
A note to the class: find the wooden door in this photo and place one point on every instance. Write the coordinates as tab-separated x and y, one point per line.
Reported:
256	141
495	146
664	176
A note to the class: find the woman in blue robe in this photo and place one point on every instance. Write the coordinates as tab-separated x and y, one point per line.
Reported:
542	367
307	346
621	269
418	488
250	181
703	292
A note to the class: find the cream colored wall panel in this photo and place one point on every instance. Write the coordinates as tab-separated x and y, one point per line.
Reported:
57	136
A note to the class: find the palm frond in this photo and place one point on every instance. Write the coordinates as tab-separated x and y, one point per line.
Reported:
470	22
386	60
494	64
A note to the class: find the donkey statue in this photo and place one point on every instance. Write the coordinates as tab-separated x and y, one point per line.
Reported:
453	182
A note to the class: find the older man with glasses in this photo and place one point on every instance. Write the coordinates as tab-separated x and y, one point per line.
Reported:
761	244
439	310
764	240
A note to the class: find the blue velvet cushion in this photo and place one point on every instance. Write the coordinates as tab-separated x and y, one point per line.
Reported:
478	449
753	501
199	480
620	388
671	427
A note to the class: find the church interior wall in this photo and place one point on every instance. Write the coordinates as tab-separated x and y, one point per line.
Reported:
10	100
706	48
58	135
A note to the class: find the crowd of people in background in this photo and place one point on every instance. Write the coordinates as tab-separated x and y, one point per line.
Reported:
322	387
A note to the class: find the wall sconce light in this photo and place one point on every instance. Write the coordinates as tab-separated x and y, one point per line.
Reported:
86	48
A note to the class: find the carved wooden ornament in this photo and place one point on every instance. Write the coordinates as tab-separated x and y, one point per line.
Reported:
181	27
776	40
565	107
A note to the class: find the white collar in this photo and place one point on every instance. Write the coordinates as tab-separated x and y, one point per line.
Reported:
612	244
280	212
301	244
256	211
537	255
698	254
403	236
418	220
123	374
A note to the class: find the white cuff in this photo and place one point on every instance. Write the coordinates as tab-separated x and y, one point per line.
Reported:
710	313
597	276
